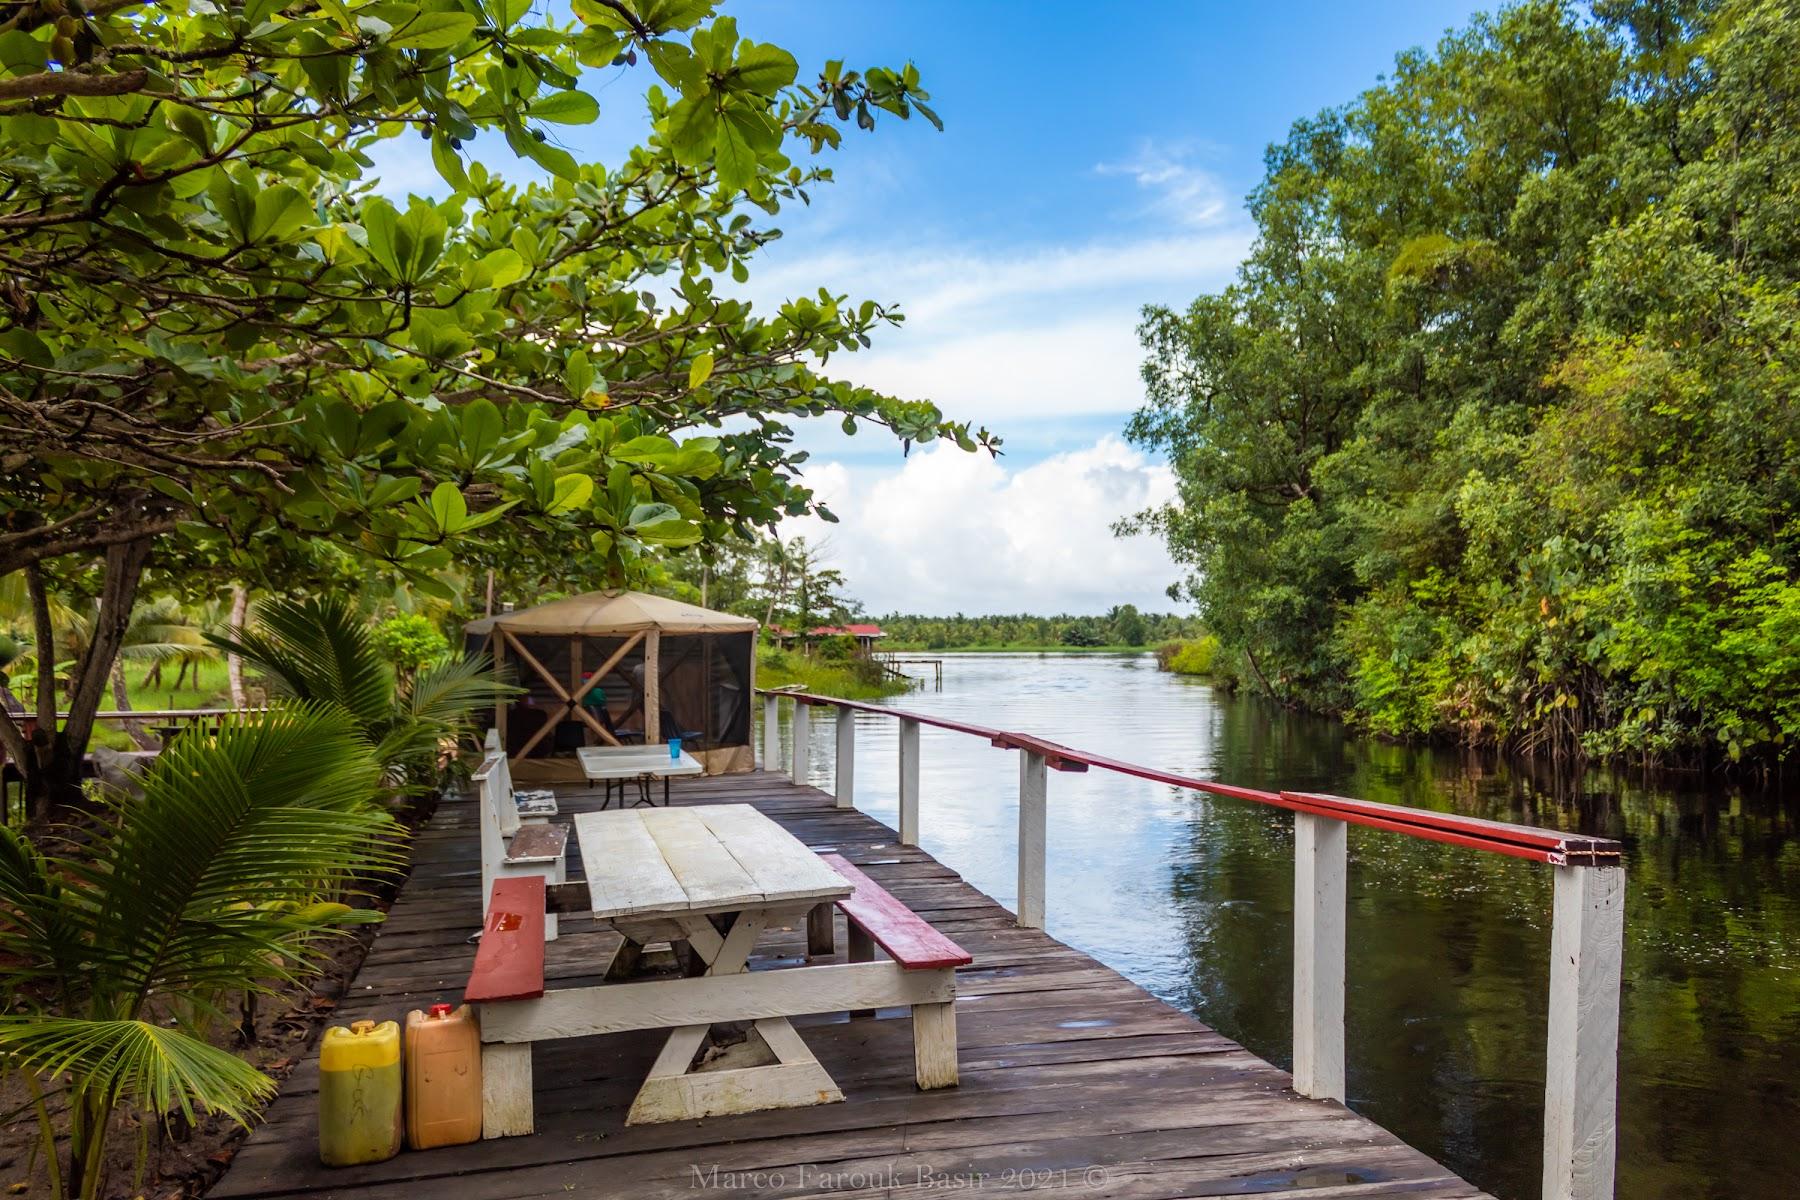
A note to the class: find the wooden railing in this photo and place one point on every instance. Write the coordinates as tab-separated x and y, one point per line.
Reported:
1586	940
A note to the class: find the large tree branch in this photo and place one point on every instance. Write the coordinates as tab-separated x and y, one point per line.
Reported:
72	83
20	551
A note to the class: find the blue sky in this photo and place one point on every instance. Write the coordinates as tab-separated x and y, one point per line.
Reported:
1095	159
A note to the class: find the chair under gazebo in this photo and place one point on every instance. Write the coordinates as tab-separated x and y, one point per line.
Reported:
617	667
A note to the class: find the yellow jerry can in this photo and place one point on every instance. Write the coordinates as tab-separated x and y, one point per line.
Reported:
443	1077
359	1094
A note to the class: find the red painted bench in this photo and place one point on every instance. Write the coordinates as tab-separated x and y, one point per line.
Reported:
906	936
509	965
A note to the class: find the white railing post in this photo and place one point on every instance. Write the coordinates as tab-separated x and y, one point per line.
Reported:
1581	1090
844	765
909	782
771	732
1032	796
1320	869
801	724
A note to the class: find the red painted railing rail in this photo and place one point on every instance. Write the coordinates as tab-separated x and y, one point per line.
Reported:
1551	846
1587	934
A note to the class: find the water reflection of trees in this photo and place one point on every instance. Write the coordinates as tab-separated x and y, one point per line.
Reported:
1448	952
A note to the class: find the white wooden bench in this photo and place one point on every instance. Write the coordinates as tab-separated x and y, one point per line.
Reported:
512	845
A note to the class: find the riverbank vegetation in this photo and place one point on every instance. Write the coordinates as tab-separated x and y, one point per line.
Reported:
1497	434
847	676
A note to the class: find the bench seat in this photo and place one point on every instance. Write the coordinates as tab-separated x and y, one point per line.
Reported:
537	844
509	962
906	936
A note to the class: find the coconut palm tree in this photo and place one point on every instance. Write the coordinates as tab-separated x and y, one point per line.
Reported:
320	651
218	880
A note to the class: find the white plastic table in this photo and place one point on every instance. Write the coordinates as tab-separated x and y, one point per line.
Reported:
713	876
617	764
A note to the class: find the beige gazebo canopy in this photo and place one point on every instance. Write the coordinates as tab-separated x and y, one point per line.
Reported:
688	670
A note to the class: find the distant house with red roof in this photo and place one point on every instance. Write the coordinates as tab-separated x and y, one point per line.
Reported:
865	633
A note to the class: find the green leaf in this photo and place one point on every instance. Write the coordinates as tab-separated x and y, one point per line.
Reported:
279	213
578	374
496	269
700	370
432	31
764	69
692	128
448	163
380	220
448	510
554	159
566	108
572	492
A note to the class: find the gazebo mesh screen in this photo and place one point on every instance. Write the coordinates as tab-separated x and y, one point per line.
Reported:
705	689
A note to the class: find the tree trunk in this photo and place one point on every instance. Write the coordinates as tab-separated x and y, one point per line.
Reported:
234	662
135	730
53	771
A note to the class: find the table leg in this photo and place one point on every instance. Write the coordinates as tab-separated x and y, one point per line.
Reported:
676	1091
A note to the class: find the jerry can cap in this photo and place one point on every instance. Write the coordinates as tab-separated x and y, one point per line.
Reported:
441	1010
362	1028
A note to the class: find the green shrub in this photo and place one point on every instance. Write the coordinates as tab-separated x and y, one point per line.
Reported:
410	640
1194	656
836	648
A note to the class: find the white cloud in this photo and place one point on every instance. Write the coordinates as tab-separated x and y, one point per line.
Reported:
956	532
1179	191
1006	337
935	286
1005	377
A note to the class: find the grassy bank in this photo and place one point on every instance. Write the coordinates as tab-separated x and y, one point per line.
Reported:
850	679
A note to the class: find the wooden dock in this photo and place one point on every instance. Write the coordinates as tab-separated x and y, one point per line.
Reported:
1075	1082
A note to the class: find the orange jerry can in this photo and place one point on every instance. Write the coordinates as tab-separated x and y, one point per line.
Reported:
443	1077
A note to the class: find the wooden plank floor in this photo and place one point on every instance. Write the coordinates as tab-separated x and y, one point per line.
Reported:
1075	1081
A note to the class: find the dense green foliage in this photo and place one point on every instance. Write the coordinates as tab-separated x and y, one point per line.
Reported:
1496	433
1124	625
226	357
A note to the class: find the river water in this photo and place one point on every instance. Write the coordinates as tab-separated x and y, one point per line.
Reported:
1191	897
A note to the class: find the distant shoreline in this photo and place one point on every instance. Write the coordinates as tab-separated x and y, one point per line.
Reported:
1019	650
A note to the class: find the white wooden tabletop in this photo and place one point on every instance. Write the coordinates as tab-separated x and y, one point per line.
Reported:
699	859
629	762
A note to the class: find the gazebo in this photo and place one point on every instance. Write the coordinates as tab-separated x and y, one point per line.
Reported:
614	667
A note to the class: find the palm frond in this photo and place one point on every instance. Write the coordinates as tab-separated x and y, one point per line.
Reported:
317	650
276	811
453	689
153	1067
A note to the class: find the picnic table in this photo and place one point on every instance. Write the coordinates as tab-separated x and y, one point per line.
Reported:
708	880
619	765
712	877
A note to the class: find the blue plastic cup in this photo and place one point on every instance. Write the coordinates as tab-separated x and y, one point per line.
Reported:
675	748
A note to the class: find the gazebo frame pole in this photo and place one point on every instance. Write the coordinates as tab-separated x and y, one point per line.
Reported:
575	641
653	687
499	645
